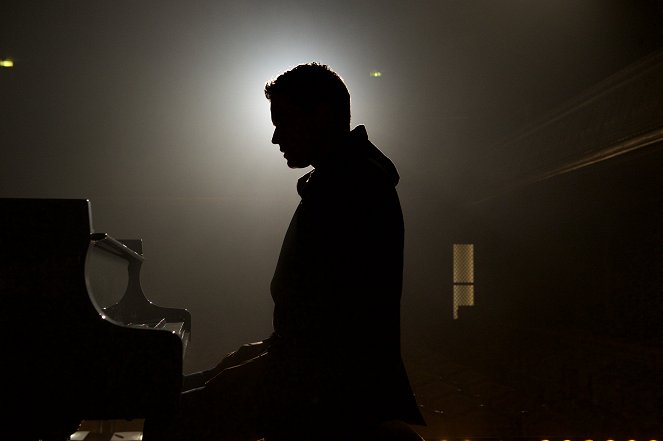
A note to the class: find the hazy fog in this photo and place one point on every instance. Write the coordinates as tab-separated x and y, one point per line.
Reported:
154	111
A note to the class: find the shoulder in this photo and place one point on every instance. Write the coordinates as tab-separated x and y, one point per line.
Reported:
349	180
355	170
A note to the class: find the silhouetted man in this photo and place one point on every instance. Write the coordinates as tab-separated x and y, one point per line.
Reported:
332	369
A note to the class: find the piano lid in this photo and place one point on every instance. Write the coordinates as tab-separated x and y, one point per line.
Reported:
113	270
64	363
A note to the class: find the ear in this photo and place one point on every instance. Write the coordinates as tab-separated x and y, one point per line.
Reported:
322	111
323	116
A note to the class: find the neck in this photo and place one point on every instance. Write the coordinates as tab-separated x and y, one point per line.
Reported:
328	145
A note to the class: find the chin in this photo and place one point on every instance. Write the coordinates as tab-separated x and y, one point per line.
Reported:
293	163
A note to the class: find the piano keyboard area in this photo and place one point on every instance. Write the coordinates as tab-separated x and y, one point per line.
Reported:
177	328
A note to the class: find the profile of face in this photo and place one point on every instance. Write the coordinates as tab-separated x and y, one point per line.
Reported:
297	132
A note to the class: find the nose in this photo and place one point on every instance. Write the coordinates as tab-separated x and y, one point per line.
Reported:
275	138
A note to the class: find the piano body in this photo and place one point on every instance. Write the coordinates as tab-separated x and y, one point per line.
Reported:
70	359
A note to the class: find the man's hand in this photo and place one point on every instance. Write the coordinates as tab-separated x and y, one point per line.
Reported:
244	354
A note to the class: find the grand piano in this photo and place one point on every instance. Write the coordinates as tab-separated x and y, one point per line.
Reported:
71	355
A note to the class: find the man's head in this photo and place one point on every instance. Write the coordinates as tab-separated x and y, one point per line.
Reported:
310	107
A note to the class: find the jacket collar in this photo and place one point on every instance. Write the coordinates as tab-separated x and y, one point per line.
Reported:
356	146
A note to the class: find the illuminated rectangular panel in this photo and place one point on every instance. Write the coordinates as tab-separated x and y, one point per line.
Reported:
463	276
463	263
463	296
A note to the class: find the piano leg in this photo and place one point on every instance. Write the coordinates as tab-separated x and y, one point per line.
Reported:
43	430
104	429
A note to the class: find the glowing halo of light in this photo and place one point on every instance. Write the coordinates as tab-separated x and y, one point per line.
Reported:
245	124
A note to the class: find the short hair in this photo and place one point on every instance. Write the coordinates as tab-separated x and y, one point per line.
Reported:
309	84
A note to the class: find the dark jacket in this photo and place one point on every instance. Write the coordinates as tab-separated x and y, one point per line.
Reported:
337	285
